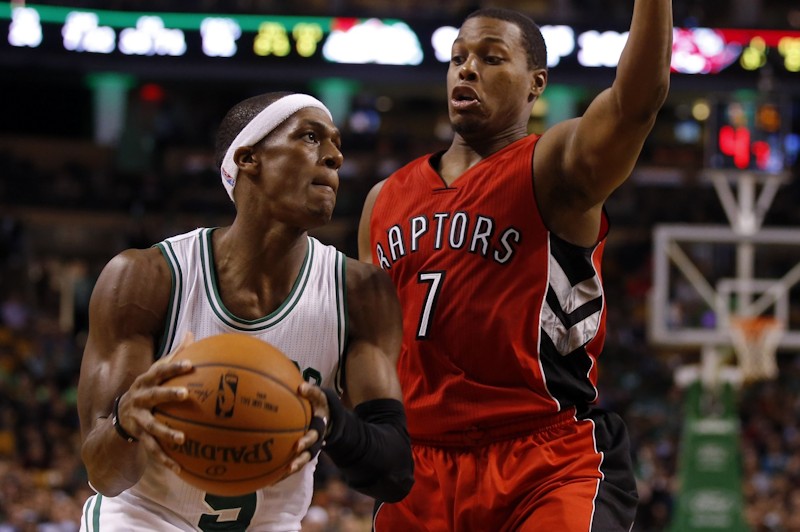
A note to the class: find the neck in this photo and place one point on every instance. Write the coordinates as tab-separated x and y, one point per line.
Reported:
256	270
467	151
249	256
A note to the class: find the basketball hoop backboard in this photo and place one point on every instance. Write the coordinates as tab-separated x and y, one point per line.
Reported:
706	277
699	283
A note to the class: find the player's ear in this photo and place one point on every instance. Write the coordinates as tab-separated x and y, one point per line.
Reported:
538	82
244	157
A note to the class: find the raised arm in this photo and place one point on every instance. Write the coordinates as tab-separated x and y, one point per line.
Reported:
126	315
370	443
578	163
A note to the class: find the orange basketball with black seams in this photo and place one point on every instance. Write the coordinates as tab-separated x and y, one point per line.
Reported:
243	416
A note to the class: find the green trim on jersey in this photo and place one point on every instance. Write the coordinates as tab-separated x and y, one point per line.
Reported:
94	524
229	319
175	297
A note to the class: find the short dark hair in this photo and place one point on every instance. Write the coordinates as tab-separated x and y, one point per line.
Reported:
238	117
531	34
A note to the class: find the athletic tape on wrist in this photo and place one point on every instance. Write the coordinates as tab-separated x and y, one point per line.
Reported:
259	127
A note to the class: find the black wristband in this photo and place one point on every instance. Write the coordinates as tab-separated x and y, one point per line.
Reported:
337	418
115	421
371	447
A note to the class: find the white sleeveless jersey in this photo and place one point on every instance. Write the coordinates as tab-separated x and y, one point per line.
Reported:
310	327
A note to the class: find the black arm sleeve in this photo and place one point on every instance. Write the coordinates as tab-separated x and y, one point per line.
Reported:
371	447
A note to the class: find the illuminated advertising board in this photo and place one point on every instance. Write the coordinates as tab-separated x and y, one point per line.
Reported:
30	32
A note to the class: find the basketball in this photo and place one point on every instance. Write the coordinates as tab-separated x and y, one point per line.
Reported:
242	418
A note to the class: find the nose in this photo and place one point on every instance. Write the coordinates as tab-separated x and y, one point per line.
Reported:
468	71
333	158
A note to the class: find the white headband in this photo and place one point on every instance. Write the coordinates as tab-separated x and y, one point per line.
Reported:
259	127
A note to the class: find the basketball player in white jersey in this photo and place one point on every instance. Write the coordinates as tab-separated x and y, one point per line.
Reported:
264	276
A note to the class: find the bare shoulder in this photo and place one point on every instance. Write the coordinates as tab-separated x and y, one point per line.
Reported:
366	279
369	202
134	289
136	268
373	307
375	190
364	248
151	259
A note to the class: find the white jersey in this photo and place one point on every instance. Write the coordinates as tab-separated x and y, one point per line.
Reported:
310	327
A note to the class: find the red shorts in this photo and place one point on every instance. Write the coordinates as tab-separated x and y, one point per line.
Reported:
572	475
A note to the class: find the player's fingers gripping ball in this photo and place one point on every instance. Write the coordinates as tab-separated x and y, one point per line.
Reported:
243	416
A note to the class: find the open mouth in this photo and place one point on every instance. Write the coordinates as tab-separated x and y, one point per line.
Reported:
463	98
464	103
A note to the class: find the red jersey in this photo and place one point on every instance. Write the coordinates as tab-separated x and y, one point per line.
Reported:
503	321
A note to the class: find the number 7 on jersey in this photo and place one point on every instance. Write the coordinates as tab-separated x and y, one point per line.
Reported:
434	280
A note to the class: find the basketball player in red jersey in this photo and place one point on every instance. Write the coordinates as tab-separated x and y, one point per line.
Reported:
495	249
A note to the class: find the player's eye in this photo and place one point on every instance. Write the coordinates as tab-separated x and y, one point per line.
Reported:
310	136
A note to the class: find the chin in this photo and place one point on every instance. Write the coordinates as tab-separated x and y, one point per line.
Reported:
467	128
321	217
320	207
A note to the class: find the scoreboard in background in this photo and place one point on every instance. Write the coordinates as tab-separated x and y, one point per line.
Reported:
753	134
103	39
191	45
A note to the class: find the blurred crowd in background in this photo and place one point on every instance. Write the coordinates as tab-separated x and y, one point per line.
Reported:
70	220
67	206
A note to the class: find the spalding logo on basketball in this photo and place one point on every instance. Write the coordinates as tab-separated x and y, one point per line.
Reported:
243	416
